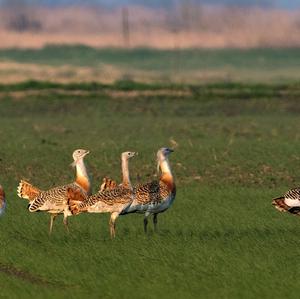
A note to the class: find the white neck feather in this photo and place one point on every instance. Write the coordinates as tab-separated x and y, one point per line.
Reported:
80	169
81	172
125	173
165	166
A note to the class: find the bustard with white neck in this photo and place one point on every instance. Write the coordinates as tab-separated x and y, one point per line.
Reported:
54	200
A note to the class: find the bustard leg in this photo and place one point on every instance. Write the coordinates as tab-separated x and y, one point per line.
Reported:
66	223
112	224
52	218
146	221
155	222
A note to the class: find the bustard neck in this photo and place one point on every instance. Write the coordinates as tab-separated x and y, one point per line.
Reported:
125	173
82	178
166	174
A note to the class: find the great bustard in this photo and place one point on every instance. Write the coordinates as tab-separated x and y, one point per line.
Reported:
157	196
289	202
54	200
113	201
2	201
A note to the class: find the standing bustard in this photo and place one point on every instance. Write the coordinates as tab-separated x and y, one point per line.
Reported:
157	196
2	201
113	201
54	200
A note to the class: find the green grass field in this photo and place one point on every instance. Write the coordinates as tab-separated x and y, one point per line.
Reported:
238	147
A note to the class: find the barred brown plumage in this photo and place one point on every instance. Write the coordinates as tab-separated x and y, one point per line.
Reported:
293	194
112	201
280	205
54	201
107	184
119	195
290	202
155	192
55	197
27	191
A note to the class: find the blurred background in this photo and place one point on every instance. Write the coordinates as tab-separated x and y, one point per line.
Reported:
187	40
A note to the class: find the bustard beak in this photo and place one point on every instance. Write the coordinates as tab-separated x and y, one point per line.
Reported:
73	164
85	153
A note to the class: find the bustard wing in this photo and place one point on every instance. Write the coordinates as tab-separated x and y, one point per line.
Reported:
292	198
117	196
54	199
293	194
153	192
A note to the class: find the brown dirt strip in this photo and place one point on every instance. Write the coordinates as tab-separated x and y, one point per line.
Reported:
116	94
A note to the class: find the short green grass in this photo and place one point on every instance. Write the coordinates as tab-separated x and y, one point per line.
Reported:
152	59
237	148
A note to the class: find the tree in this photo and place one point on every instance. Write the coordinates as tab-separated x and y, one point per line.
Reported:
20	15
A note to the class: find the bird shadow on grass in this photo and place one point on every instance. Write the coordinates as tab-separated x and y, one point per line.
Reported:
12	271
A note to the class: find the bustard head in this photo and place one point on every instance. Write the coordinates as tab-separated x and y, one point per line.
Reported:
128	155
162	154
79	154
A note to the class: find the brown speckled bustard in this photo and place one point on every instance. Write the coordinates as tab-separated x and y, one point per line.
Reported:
54	200
113	201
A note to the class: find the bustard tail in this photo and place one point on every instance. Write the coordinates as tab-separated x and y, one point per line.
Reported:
280	204
108	184
27	191
75	197
283	207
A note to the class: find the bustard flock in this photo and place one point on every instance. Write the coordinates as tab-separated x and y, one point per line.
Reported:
74	198
151	198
